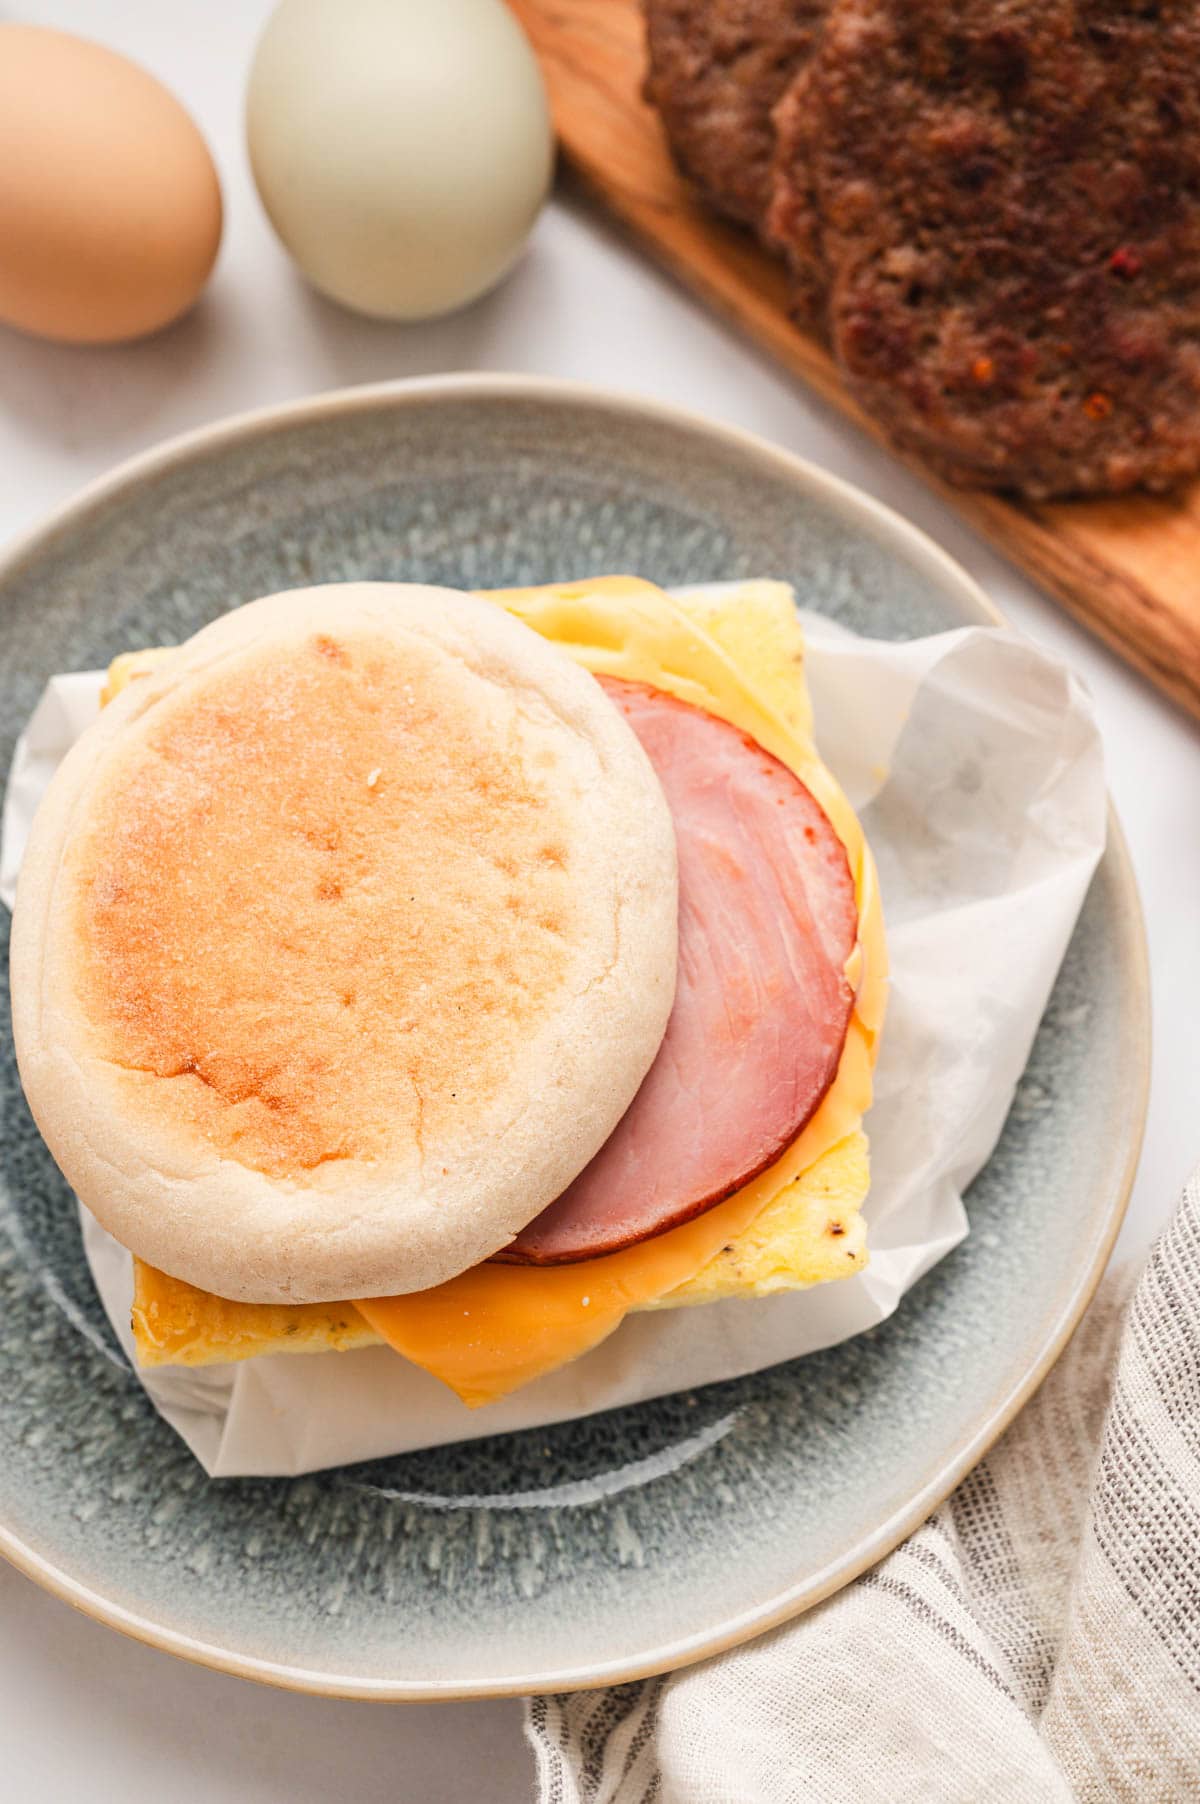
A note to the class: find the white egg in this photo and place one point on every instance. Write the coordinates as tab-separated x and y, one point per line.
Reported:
402	148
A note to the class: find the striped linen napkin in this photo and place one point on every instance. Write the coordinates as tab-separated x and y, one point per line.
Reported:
1037	1640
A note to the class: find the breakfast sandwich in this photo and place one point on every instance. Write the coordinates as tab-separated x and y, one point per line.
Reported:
455	972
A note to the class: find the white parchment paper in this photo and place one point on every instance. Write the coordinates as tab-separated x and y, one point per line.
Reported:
974	761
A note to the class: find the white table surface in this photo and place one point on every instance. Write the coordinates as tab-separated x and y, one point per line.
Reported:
84	1713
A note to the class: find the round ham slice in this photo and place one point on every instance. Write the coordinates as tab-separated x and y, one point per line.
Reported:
767	921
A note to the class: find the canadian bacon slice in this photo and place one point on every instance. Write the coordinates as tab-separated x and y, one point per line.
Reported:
768	920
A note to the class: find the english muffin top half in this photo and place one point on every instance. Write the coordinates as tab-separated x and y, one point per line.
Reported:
343	941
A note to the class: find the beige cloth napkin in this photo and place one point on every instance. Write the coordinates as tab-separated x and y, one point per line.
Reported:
1037	1640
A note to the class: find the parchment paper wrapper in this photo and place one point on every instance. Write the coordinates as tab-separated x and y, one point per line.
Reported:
974	762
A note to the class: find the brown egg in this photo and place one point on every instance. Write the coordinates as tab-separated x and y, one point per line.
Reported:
110	208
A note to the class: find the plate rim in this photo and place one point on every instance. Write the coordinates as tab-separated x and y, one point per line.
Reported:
922	551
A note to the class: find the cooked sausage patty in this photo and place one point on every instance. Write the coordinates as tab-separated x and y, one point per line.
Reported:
1008	203
716	69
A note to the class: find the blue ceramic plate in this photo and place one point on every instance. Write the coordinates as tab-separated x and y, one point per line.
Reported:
646	1537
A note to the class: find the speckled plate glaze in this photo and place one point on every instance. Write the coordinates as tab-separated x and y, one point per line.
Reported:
637	1540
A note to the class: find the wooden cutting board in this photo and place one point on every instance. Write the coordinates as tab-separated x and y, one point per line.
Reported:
1129	569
